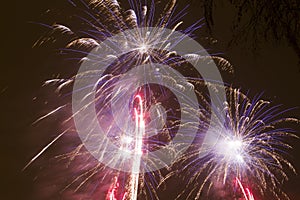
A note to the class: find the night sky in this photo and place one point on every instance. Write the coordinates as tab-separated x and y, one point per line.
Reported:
272	69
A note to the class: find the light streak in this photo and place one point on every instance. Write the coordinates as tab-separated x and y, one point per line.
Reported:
139	132
246	191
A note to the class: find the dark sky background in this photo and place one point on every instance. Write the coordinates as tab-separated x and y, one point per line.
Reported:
272	70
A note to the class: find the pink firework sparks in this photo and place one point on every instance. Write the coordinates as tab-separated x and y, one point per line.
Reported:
139	131
137	140
112	192
245	190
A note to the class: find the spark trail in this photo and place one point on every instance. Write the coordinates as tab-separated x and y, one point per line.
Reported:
246	191
140	129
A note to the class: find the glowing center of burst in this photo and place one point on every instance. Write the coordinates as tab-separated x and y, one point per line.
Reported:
143	48
231	150
126	139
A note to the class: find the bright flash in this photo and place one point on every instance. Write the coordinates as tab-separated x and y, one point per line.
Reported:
231	150
125	139
143	48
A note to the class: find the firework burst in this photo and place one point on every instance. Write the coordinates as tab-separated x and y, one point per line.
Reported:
249	144
98	22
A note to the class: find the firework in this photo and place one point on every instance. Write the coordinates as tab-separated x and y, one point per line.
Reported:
100	21
248	144
242	142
